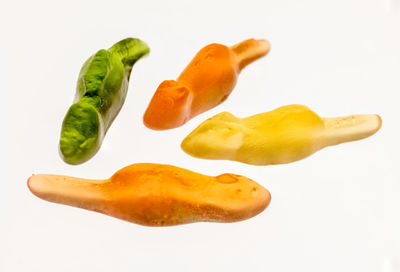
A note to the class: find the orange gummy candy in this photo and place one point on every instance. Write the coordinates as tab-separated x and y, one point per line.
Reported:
205	83
158	195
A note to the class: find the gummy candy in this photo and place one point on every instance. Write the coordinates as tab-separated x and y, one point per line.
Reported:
158	195
205	83
100	93
287	134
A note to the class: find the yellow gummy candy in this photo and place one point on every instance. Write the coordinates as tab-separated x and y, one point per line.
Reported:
287	134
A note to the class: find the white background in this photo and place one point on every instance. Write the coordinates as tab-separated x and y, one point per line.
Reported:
337	210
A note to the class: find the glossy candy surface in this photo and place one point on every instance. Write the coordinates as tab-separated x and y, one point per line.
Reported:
205	83
284	135
100	93
158	195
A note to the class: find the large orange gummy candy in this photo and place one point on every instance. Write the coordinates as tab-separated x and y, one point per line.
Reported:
205	83
158	195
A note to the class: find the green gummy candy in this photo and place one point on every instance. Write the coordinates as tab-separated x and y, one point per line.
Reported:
101	91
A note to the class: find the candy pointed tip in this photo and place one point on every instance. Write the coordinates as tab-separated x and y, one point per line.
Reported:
350	128
28	183
42	186
265	46
250	50
379	122
32	184
369	124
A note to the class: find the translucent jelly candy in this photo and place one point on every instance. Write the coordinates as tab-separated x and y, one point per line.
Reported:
205	83
100	93
158	195
284	135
